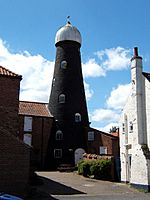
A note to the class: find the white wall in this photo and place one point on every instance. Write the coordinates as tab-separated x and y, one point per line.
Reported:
147	84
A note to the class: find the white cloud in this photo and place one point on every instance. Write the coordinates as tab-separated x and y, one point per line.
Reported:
110	59
103	115
118	96
88	92
114	58
107	127
110	116
92	69
37	73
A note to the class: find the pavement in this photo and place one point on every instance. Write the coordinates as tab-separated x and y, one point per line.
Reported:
61	184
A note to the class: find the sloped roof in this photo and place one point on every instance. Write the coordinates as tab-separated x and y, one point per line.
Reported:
34	109
147	75
104	133
6	72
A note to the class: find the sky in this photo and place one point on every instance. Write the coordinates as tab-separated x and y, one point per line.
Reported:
110	30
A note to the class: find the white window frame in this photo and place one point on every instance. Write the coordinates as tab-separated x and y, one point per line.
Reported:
57	153
77	117
59	135
103	150
61	98
27	124
91	135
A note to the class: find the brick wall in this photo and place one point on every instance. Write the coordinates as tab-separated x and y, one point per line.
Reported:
14	164
106	140
41	129
9	103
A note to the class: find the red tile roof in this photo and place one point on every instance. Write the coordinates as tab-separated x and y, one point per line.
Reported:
6	72
34	109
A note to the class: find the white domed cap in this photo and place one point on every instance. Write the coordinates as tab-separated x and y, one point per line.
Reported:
68	32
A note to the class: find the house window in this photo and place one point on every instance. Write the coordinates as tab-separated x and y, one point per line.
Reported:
57	153
102	150
59	135
61	98
27	138
63	64
77	117
130	127
91	136
27	124
123	127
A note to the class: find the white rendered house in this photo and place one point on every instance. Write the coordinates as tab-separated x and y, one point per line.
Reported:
135	129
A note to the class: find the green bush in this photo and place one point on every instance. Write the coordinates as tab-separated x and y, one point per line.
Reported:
100	169
84	167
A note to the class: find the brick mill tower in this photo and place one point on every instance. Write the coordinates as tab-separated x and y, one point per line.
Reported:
67	101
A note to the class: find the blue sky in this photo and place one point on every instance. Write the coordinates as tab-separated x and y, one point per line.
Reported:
109	28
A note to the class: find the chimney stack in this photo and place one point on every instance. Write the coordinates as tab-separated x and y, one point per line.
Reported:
135	51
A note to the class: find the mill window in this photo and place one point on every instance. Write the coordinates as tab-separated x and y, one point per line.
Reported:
59	135
61	98
53	82
77	117
63	64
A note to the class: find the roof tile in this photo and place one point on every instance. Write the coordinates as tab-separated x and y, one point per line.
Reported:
6	72
34	109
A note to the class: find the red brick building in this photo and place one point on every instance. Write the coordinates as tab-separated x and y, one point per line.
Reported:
9	100
14	154
35	123
102	143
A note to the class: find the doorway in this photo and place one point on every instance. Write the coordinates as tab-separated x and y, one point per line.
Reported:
78	154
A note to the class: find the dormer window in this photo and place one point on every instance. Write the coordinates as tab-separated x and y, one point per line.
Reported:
61	98
63	64
77	117
59	135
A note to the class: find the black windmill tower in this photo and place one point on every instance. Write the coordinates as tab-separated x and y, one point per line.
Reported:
67	101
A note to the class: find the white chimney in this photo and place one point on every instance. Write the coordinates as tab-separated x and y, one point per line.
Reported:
138	87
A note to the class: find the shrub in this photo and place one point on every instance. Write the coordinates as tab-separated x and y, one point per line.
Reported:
84	168
100	169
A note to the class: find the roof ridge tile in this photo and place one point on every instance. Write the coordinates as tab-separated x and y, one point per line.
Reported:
7	72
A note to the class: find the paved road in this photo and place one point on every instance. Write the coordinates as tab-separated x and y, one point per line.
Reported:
70	186
105	197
